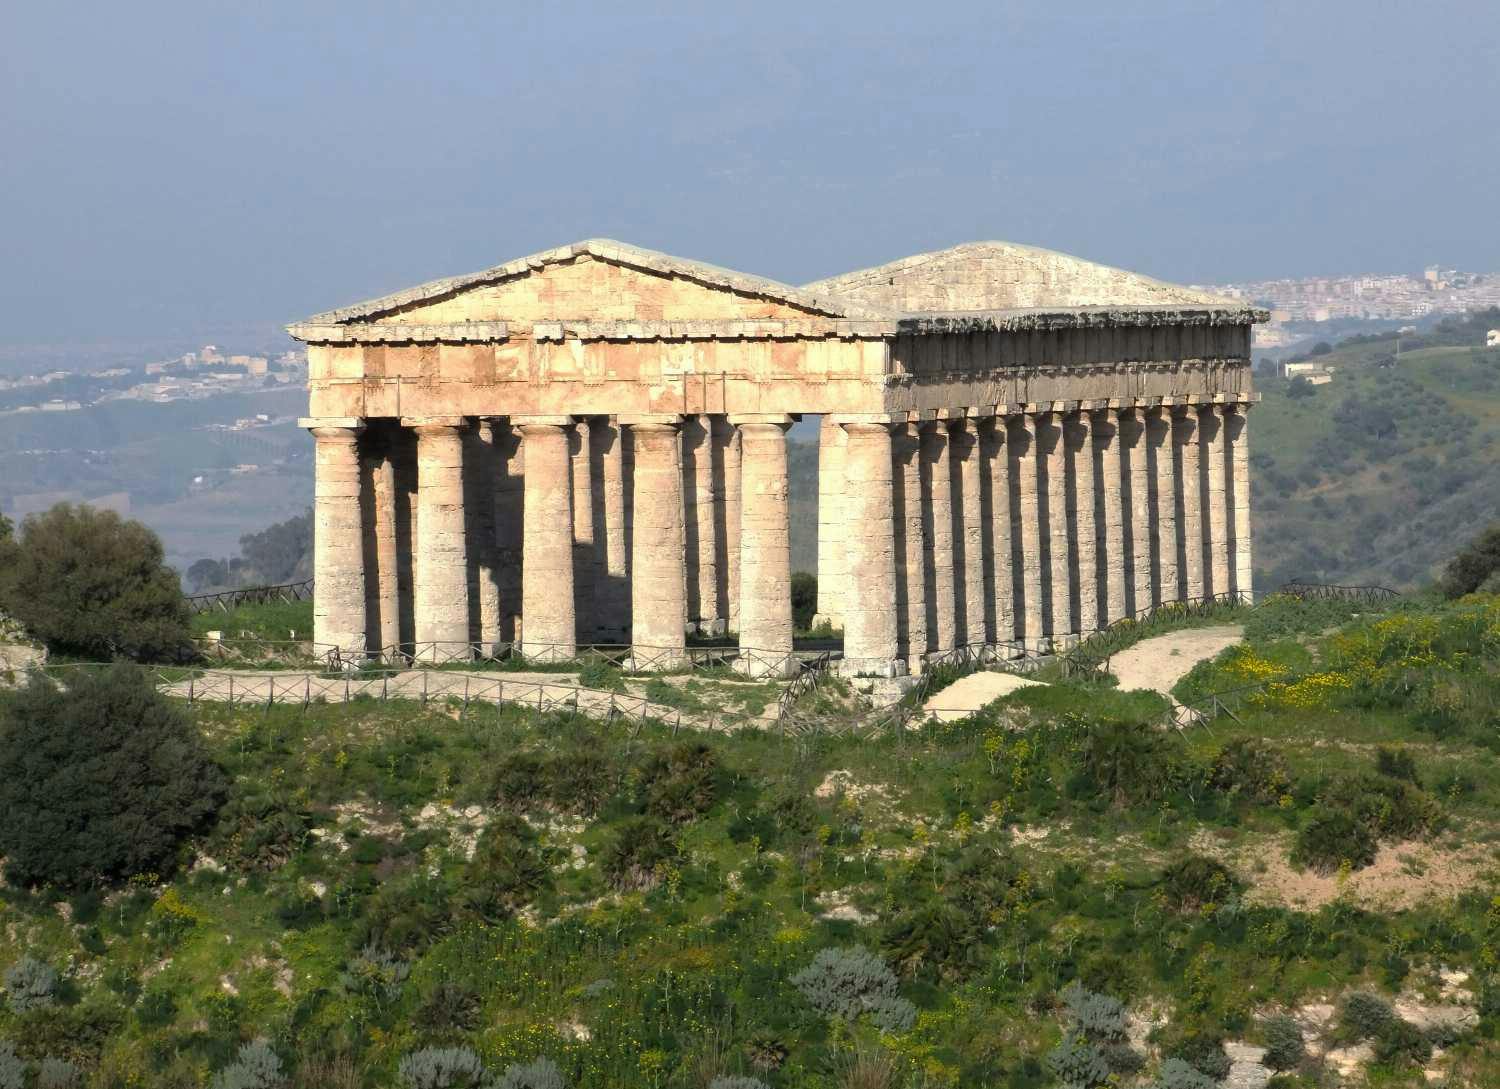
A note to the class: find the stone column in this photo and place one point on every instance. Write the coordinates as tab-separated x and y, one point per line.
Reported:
937	500
382	579
831	543
580	460
702	501
909	546
732	506
968	527
611	574
510	520
442	548
1113	559
997	451
1237	425
1163	505
1216	523
480	471
1026	526
869	607
549	629
1081	503
1190	498
658	579
1142	521
338	544
765	549
1054	463
403	453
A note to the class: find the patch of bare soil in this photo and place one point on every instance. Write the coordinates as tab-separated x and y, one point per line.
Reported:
968	694
1160	662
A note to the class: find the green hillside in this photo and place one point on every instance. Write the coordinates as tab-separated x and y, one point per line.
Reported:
1380	475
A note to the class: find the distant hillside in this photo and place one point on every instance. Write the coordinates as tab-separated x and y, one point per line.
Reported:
1384	472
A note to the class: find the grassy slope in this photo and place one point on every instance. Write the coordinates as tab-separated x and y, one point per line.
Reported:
1067	886
1381	475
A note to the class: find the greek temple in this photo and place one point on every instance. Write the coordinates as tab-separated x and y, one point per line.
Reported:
589	446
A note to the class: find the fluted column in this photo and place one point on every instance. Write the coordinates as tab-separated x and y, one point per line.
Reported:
1140	433
1163	506
1190	493
1216	523
765	549
1054	464
549	631
1237	426
442	550
1027	526
480	470
937	501
658	577
997	450
585	600
732	505
1113	559
509	505
702	501
909	545
1081	499
869	608
382	579
338	541
831	532
968	530
611	573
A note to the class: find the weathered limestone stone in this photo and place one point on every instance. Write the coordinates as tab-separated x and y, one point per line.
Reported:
909	545
869	608
1026	527
997	458
510	516
703	500
611	572
1164	505
1139	501
1081	501
968	526
402	444
765	550
831	534
549	631
937	495
338	560
581	463
732	510
382	580
442	575
1053	461
1237	424
658	578
1216	528
1190	499
1114	559
480	469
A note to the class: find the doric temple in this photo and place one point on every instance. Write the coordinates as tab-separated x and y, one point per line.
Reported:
589	445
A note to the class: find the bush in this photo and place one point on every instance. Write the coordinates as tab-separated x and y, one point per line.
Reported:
57	1073
30	985
1250	768
1468	570
1097	1016
12	1067
1176	1074
256	1066
581	780
542	1074
680	783
1363	1015
1396	764
441	1068
847	982
448	1007
519	780
1355	812
100	781
804	599
1132	763
1403	1044
507	871
1077	1063
377	973
258	830
88	583
1196	881
1285	1049
1332	837
640	849
736	1081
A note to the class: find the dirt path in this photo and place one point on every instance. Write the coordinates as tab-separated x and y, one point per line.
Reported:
1159	663
968	694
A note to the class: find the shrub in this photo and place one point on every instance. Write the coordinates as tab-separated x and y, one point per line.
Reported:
635	856
1285	1049
542	1074
1131	762
449	1007
1355	812
1474	563
1402	1043
256	829
1330	838
88	583
1194	882
256	1066
680	782
1176	1074
1097	1016
1250	768
30	985
441	1068
56	1073
847	982
804	599
12	1067
581	780
100	781
1077	1063
764	1050
1396	764
519	780
1203	1052
1363	1015
736	1081
507	871
377	973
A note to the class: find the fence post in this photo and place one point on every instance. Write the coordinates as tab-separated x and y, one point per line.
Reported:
231	690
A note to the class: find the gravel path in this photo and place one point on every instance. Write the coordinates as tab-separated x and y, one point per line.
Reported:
1160	662
968	694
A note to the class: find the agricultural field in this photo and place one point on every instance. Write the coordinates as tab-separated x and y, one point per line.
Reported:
1055	890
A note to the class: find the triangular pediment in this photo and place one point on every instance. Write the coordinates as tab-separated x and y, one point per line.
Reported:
597	280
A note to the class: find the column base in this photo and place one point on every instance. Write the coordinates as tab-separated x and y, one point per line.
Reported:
667	660
548	652
763	666
872	667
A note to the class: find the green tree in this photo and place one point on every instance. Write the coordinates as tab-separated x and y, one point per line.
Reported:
90	583
804	599
99	781
1472	567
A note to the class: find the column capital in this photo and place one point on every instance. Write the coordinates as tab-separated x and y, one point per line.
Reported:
741	419
643	421
335	428
845	419
541	421
420	424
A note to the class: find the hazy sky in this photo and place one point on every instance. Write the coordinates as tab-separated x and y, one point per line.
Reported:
179	165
